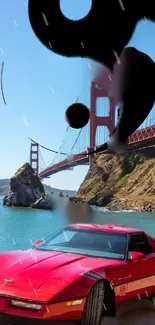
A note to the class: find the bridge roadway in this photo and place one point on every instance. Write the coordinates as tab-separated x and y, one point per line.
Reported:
81	159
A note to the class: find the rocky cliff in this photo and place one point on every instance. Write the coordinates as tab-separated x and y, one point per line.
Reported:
121	182
26	190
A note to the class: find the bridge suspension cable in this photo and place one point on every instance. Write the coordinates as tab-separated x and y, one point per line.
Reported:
76	139
48	149
53	161
59	150
41	156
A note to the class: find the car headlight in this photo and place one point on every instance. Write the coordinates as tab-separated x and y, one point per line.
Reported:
22	304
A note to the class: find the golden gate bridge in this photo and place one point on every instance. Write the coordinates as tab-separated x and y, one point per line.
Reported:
78	143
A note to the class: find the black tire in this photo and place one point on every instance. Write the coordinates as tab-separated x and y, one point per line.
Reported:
92	313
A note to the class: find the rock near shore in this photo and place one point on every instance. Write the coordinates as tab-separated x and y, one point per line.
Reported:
26	190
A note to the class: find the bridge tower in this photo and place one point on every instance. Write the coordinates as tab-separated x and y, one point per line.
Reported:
34	157
95	121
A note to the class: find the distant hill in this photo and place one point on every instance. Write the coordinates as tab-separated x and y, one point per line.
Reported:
5	187
4	181
49	189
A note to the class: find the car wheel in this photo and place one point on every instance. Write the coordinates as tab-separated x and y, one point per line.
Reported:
92	313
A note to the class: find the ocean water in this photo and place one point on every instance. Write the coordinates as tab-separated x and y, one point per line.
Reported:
20	228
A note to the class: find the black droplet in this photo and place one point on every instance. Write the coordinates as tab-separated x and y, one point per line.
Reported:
77	115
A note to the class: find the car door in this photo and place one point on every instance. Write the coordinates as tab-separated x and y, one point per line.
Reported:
135	277
142	270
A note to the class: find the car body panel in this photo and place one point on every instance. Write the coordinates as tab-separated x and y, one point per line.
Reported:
133	279
111	227
41	275
52	278
51	311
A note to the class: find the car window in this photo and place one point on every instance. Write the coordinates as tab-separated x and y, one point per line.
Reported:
62	237
87	242
140	243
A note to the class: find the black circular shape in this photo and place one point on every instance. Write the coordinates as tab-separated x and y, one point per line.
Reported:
77	115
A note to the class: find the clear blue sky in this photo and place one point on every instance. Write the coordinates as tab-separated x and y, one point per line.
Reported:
39	85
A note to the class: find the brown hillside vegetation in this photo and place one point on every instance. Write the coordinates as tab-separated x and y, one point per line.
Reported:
121	182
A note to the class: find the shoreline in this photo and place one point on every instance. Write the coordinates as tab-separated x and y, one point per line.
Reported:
120	205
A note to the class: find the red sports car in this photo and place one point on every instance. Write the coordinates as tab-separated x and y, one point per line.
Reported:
79	274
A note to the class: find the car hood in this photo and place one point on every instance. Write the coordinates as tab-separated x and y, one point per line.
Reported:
40	275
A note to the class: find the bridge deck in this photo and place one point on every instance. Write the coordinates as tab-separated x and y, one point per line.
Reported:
143	137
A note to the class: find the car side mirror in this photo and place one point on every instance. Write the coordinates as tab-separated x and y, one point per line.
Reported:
133	256
37	242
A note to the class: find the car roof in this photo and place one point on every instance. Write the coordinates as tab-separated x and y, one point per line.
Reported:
107	227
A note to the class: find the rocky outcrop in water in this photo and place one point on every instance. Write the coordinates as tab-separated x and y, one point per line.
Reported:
120	182
26	190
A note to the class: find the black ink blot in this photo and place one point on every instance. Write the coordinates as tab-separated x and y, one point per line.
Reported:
77	115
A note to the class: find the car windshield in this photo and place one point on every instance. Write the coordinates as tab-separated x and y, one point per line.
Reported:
87	242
